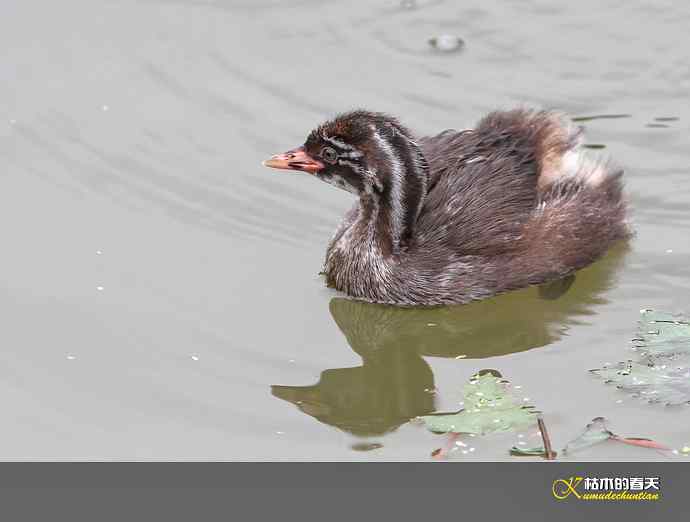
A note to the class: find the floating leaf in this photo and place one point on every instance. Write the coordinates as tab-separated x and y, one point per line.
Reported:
489	408
660	329
597	431
529	452
661	372
655	383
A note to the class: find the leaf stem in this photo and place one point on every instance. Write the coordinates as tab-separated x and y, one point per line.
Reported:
548	452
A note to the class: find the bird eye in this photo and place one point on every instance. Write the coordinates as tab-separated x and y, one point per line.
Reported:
329	154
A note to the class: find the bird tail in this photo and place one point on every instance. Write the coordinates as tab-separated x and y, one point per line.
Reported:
563	159
577	219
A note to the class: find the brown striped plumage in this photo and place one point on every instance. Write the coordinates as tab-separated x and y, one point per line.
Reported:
462	215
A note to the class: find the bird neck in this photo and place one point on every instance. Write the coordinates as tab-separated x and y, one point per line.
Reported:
393	210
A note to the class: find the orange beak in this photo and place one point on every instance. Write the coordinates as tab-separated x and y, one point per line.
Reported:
296	159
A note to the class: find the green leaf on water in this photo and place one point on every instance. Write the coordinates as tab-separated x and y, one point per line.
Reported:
529	452
489	408
595	432
662	334
661	371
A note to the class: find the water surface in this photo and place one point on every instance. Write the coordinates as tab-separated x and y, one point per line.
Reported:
160	289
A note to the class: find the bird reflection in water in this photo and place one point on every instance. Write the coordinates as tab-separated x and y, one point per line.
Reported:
394	382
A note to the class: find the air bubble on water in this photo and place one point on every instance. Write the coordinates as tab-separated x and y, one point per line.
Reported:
446	43
280	432
99	252
194	357
669	251
99	288
71	357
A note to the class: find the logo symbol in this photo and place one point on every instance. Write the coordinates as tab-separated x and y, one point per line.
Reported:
563	488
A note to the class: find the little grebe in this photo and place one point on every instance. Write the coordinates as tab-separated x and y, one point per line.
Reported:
461	215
